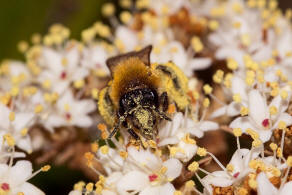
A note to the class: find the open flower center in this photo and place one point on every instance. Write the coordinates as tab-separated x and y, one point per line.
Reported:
5	186
266	123
68	116
63	75
152	177
236	175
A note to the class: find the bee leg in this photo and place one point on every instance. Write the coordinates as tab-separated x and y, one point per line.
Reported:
133	134
162	115
164	101
117	127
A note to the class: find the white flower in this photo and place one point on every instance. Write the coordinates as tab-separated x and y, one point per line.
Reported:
240	163
112	161
61	68
70	111
147	174
259	117
265	187
177	132
14	179
94	58
15	128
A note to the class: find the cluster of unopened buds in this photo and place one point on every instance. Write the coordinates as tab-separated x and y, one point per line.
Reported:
237	56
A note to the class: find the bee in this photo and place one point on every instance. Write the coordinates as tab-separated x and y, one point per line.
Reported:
139	93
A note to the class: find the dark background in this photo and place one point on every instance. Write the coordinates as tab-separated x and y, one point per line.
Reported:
19	19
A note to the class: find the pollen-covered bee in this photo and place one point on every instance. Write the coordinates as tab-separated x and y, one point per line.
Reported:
139	93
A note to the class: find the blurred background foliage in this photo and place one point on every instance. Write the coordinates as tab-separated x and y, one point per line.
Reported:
19	19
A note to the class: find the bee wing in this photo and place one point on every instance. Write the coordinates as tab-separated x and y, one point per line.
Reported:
143	55
174	83
106	106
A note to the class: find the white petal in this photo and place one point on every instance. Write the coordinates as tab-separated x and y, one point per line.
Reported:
82	121
22	120
218	178
283	117
20	172
134	180
287	189
239	87
208	126
166	189
79	73
200	63
25	144
233	109
28	188
75	192
219	112
174	168
264	185
257	107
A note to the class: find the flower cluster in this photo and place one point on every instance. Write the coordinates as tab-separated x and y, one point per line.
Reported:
246	44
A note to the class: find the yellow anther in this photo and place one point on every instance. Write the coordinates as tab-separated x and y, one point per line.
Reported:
89	156
88	35
273	146
20	193
230	168
217	11
94	93
190	184
94	147
108	9
12	116
245	39
201	151
244	111
279	153
79	186
171	109
206	102
213	25
66	107
274	92
249	80
102	127
236	25
125	17
196	44
124	154
9	140
207	89
125	3
237	8
284	94
152	144
104	149
237	132
257	143
237	98
98	189
163	170
89	187
24	131
289	161
142	4
46	168
177	192
22	46
79	84
196	95
273	110
38	108
252	183
14	91
193	166
218	76
232	64
252	133
282	125
188	140
172	150
46	84
242	191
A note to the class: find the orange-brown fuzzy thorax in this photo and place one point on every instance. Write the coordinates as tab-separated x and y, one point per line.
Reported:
130	74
